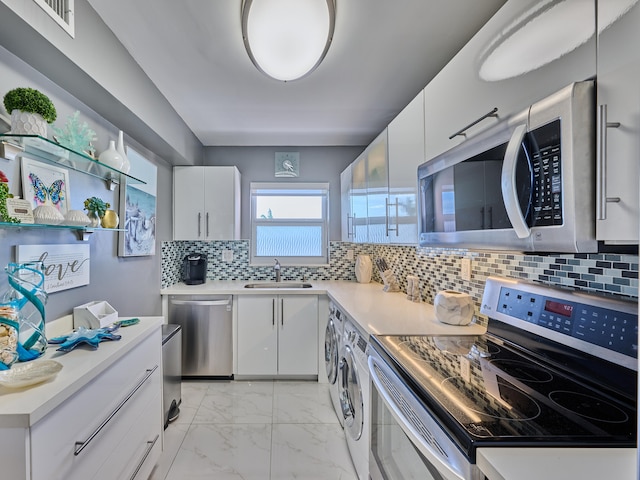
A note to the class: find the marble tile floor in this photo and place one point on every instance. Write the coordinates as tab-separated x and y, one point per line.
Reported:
263	430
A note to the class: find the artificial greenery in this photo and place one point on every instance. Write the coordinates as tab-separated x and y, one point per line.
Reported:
4	194
32	101
94	204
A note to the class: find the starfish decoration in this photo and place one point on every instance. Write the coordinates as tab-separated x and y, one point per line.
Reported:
91	337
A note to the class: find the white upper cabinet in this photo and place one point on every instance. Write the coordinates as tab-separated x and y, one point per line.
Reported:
406	152
358	198
618	138
346	213
206	203
526	51
377	174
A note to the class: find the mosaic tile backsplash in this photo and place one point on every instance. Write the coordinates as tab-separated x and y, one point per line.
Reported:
437	268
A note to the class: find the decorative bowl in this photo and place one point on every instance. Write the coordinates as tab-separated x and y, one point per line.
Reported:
47	215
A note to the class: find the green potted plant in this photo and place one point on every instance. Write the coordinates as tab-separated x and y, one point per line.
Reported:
30	111
96	209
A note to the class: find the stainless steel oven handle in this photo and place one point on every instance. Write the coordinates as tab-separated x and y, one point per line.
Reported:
414	437
508	182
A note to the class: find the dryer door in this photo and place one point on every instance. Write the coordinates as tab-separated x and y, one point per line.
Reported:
350	393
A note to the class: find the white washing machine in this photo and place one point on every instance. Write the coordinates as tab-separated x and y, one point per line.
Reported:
353	376
332	347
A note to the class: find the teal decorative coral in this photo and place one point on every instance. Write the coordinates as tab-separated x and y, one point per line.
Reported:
76	135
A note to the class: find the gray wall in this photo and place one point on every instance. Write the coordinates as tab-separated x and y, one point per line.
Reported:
96	69
131	285
257	164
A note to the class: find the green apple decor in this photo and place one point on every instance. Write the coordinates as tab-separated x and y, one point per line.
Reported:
30	111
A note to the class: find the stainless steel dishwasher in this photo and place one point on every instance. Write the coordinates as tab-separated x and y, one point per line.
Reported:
207	335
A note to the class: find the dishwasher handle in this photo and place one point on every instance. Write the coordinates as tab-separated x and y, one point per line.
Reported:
202	302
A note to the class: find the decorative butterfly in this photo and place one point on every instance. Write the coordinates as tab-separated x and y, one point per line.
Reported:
54	191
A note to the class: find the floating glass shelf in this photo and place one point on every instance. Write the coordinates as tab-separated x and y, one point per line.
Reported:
82	232
51	152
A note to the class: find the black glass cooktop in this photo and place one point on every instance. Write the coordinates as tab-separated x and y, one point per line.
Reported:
486	391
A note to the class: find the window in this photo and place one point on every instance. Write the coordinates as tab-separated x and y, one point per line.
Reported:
61	11
289	221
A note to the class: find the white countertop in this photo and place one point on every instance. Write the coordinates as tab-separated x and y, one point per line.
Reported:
380	312
376	311
23	407
558	463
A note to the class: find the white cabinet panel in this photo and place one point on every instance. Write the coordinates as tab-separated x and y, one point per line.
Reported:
125	398
277	335
346	215
406	153
298	335
618	94
206	203
518	36
377	173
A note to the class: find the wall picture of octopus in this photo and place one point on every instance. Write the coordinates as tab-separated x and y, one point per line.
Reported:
138	209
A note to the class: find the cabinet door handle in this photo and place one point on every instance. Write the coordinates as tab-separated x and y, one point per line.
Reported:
273	312
349	227
207	224
150	445
389	228
199	219
461	132
601	164
282	312
80	446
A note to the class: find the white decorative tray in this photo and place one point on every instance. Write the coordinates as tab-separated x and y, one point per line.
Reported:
29	373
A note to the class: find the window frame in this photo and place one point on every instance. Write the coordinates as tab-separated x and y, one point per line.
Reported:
282	189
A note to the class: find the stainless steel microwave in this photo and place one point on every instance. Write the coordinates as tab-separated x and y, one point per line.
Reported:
526	184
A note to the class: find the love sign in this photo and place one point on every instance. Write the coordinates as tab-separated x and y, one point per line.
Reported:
64	266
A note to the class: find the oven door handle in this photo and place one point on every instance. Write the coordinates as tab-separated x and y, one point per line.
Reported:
414	437
508	182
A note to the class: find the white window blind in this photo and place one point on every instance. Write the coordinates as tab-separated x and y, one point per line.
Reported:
289	221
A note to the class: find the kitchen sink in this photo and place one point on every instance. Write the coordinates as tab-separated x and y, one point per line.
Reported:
278	285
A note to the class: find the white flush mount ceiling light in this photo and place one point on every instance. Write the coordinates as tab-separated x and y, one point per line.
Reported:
547	31
287	39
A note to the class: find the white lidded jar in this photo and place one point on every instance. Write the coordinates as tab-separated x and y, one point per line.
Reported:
363	268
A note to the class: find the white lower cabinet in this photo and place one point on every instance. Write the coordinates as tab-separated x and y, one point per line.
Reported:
277	335
110	429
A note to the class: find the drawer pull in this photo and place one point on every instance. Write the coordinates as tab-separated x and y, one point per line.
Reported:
150	445
80	446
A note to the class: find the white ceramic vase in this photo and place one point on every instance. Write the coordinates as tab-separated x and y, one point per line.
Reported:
25	123
126	164
363	268
111	157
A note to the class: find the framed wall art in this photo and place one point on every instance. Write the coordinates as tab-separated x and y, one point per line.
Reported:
138	209
44	184
64	266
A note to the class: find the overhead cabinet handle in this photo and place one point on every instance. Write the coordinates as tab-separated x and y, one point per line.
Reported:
601	164
199	229
461	132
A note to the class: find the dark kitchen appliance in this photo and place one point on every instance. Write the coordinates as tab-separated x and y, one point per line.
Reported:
526	184
556	368
194	269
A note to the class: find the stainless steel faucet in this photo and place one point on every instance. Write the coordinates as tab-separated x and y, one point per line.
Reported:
276	267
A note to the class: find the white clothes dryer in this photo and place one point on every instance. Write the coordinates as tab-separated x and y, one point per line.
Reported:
353	376
332	347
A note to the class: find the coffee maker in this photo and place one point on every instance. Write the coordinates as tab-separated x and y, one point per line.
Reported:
194	269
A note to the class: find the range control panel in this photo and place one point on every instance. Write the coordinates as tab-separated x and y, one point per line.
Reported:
603	326
611	329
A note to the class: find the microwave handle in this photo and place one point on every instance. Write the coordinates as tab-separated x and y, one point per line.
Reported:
509	192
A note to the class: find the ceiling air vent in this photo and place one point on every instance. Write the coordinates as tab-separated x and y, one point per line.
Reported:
61	11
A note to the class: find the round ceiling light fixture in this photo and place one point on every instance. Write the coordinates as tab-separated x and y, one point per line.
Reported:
287	39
